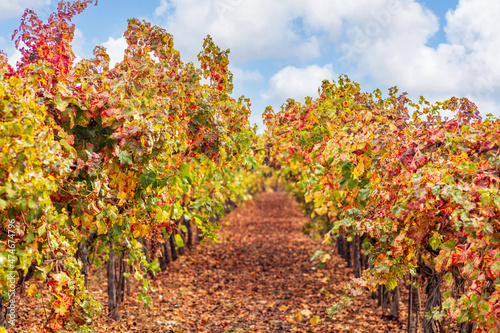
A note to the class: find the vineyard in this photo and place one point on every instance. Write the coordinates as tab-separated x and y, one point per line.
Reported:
126	169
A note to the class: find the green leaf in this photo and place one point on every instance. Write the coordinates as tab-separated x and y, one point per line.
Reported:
178	240
435	241
41	230
436	190
187	215
364	194
197	204
185	173
161	216
30	238
3	259
183	228
124	157
484	307
32	203
177	211
3	204
317	254
391	283
147	178
351	184
147	301
60	104
184	187
448	303
450	245
249	162
456	196
448	179
346	169
397	209
41	272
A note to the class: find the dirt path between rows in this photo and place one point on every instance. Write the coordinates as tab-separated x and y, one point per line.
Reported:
256	280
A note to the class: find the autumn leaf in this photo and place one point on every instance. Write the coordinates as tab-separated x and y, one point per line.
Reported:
315	320
59	281
306	313
31	291
55	323
102	227
62	305
179	241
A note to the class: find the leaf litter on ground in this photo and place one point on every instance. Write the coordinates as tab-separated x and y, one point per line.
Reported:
258	279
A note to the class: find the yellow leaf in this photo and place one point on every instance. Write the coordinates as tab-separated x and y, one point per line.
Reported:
87	220
327	238
391	283
410	255
161	216
325	257
102	228
123	197
464	157
322	210
139	230
358	170
145	229
136	229
315	320
137	276
31	291
135	244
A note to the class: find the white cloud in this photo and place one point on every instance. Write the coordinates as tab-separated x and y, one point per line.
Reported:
331	17
13	57
466	65
78	44
259	29
15	8
297	83
163	8
253	29
115	49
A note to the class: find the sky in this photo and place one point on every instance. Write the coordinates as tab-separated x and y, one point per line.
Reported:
283	49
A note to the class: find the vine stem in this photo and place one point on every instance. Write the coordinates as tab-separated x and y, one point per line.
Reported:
410	303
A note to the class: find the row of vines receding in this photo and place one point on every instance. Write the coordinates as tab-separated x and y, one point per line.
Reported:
408	192
124	166
128	165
